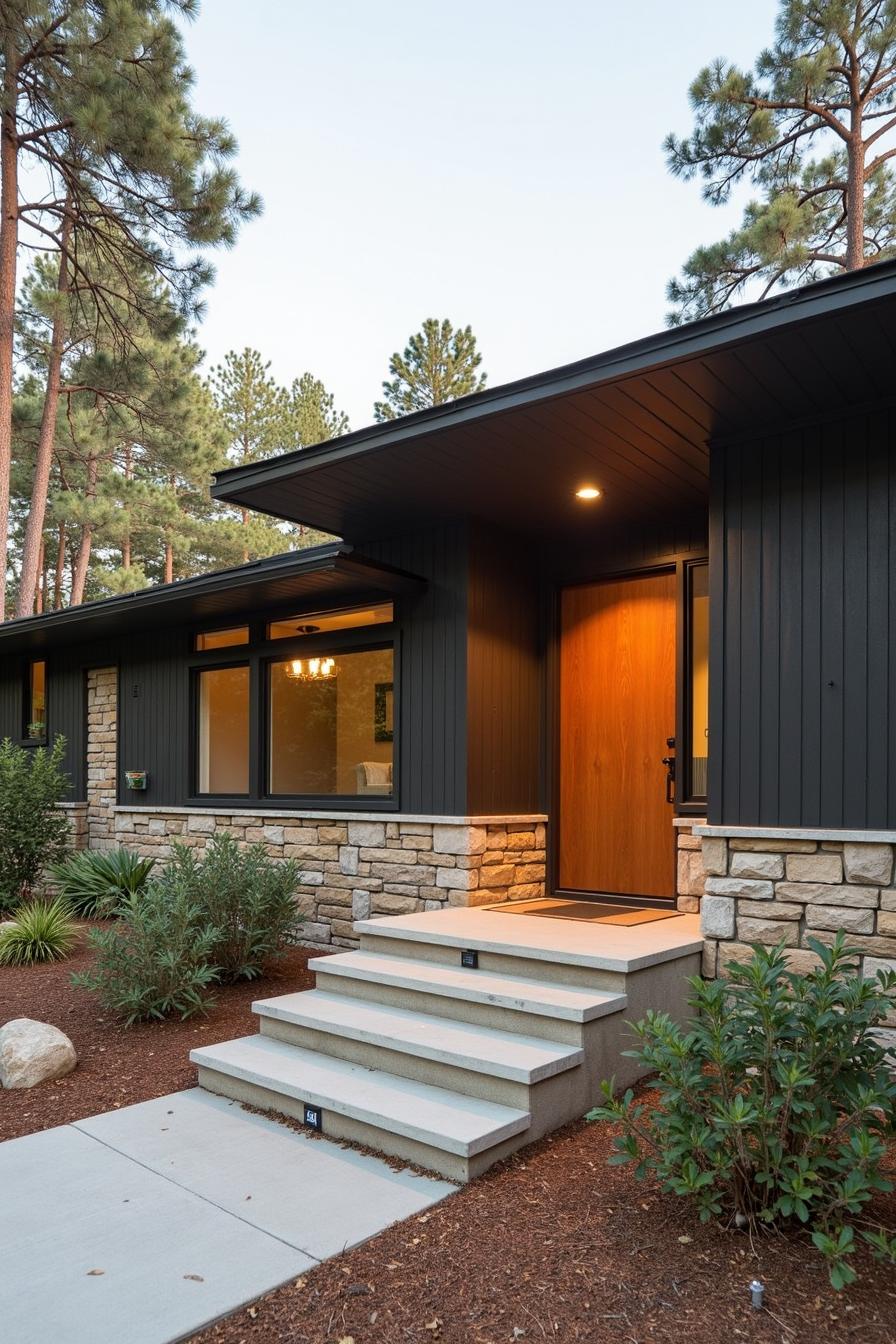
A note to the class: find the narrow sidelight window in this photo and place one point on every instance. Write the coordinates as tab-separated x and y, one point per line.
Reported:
36	701
331	724
698	682
223	737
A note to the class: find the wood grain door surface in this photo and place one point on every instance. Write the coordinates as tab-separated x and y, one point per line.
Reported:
617	707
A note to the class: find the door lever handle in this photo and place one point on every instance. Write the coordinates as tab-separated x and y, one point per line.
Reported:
669	763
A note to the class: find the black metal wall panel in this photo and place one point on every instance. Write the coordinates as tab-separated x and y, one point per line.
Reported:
803	693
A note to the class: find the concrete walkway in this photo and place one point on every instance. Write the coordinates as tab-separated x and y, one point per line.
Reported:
147	1223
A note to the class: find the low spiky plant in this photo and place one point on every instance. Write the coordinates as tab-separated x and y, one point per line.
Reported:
95	882
41	931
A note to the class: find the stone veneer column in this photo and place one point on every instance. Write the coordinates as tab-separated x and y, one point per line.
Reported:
691	874
102	756
359	867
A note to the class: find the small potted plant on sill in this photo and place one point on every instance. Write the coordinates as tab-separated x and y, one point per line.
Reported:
135	780
36	731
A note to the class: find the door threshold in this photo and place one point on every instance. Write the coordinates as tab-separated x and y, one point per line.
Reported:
586	912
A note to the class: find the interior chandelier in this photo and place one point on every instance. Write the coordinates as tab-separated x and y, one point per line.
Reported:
311	669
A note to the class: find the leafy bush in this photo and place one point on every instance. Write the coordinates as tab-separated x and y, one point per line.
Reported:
41	931
158	958
33	831
94	882
246	895
775	1103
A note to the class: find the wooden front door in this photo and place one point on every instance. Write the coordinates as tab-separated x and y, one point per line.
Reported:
617	708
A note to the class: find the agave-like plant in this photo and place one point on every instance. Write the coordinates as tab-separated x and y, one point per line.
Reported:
94	882
40	931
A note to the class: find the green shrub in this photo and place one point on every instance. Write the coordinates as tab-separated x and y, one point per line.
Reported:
157	959
33	831
246	895
94	882
775	1103
41	931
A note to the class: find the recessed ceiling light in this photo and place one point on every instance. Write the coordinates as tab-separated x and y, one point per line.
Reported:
588	492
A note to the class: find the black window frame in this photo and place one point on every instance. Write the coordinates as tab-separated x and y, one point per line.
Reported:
689	801
28	705
257	655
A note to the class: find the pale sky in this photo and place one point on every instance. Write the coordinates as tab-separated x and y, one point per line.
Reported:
498	163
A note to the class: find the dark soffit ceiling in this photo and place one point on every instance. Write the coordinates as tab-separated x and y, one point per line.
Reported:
636	421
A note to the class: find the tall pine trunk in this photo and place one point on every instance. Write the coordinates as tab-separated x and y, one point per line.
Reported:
59	576
855	199
169	562
82	559
34	528
40	600
9	222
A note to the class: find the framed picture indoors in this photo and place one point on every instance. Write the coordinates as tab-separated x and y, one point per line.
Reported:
383	708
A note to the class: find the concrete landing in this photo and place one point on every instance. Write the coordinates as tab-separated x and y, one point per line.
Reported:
147	1223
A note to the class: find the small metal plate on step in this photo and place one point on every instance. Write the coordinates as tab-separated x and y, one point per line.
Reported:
313	1117
469	957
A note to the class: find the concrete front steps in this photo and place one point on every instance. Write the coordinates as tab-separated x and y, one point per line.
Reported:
402	1048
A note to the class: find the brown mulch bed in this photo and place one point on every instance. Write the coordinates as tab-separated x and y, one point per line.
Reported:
120	1065
555	1245
551	1245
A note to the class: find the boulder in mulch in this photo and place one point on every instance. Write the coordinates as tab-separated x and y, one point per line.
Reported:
33	1052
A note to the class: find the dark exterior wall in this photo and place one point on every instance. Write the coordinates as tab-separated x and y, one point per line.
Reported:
505	701
803	627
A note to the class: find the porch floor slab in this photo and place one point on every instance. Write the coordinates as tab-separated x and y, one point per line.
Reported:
606	947
147	1223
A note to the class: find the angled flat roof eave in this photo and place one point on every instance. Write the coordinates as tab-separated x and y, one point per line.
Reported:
735	325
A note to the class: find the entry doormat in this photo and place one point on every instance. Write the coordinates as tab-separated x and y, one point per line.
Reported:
590	912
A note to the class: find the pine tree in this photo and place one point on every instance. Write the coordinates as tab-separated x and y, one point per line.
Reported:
811	128
310	414
439	364
97	97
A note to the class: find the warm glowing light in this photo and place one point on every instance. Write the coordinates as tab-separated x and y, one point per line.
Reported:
588	492
311	669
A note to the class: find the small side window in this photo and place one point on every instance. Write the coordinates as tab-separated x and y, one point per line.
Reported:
222	639
36	701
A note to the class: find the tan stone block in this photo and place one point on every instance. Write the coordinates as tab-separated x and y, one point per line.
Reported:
768	931
452	839
819	867
332	835
709	959
775	910
469	899
875	945
688	905
886	923
744	887
520	840
300	835
530	856
688	841
531	891
496	837
758	846
888	900
457	879
414	874
865	863
492	857
850	918
383	903
820	893
499	875
527	872
311	854
763	866
367	834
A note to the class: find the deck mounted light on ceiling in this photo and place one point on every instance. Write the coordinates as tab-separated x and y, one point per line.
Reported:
311	669
588	492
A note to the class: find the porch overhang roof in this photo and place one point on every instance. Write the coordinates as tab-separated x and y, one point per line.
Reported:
637	421
327	575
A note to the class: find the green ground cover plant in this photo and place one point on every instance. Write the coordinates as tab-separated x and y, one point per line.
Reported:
40	931
775	1102
34	832
94	882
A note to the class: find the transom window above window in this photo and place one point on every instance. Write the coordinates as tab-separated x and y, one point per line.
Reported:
222	639
322	622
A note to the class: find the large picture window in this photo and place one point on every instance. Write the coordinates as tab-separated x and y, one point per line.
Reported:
330	724
223	730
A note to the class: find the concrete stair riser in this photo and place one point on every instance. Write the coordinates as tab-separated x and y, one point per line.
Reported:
452	1166
455	1009
509	963
501	1090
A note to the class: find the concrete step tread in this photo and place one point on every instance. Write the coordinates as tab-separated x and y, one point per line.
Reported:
539	997
500	1054
435	1116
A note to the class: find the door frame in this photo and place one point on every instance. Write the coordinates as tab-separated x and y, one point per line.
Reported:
679	563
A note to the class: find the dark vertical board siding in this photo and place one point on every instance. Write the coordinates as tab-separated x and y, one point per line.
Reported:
504	679
154	691
802	627
432	703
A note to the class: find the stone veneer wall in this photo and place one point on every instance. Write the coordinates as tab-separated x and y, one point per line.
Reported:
102	755
691	874
353	866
